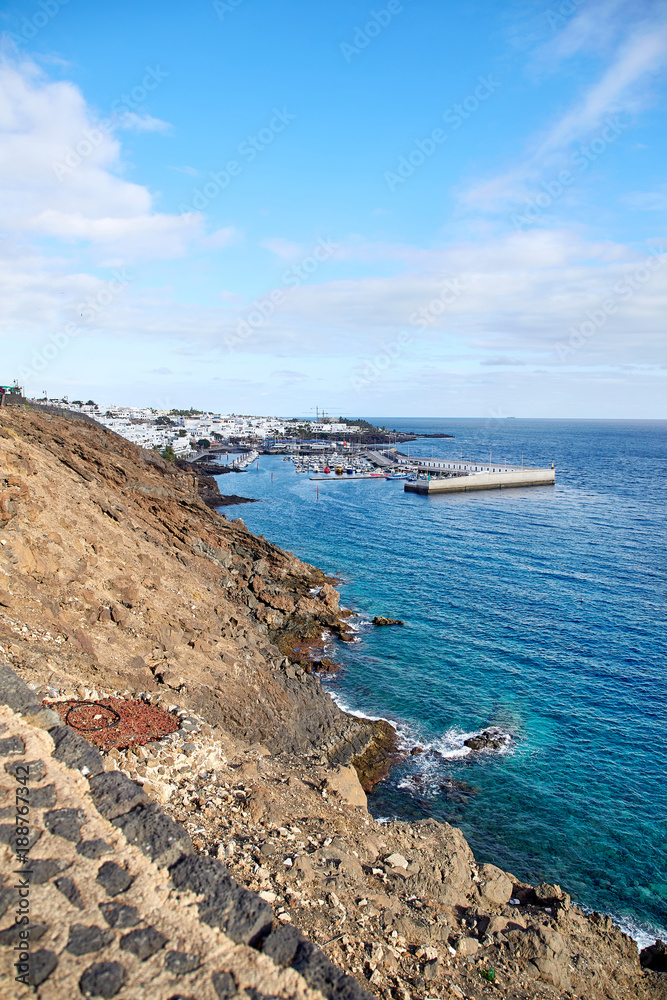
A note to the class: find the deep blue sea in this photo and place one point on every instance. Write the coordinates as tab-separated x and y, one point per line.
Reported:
539	610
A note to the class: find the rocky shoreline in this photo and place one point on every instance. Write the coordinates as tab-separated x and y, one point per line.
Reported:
117	581
206	484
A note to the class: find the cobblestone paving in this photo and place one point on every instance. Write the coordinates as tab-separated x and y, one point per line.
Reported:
117	905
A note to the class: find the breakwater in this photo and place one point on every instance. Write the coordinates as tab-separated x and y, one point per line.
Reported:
447	475
486	480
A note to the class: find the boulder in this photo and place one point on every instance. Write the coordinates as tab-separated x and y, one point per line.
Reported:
396	861
345	863
467	946
551	895
329	596
379	620
346	785
654	957
488	739
550	971
496	888
548	959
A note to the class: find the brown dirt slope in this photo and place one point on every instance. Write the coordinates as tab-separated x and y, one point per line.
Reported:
114	574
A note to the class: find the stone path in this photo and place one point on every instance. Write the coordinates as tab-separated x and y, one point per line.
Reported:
115	902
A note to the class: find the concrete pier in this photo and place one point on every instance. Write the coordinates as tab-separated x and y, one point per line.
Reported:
452	476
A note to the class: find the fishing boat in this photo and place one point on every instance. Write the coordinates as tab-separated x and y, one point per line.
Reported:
396	475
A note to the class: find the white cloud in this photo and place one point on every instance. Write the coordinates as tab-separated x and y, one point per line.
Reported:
622	88
149	235
59	173
647	201
220	238
282	248
524	293
592	29
519	294
641	55
143	123
190	171
288	377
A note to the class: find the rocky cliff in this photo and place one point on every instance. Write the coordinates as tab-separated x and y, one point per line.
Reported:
117	579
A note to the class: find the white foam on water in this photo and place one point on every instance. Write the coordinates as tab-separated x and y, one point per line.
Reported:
451	745
643	937
644	934
344	707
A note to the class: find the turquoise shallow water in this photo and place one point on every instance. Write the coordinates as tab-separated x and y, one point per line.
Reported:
539	610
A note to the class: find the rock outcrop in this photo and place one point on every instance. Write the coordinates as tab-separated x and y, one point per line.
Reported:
488	739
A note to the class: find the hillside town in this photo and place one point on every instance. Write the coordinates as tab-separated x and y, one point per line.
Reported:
189	431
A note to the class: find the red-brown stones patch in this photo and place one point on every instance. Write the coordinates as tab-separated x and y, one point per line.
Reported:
114	723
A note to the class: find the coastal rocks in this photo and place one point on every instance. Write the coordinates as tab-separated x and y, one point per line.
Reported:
346	636
452	857
308	606
325	665
401	903
246	784
489	739
380	621
496	888
551	896
654	957
346	785
548	960
329	596
279	602
374	761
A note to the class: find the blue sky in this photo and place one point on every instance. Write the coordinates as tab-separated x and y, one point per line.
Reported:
418	208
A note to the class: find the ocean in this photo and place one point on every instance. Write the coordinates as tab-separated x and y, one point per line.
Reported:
540	611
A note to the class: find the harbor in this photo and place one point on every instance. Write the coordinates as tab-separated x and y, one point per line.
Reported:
431	475
419	474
